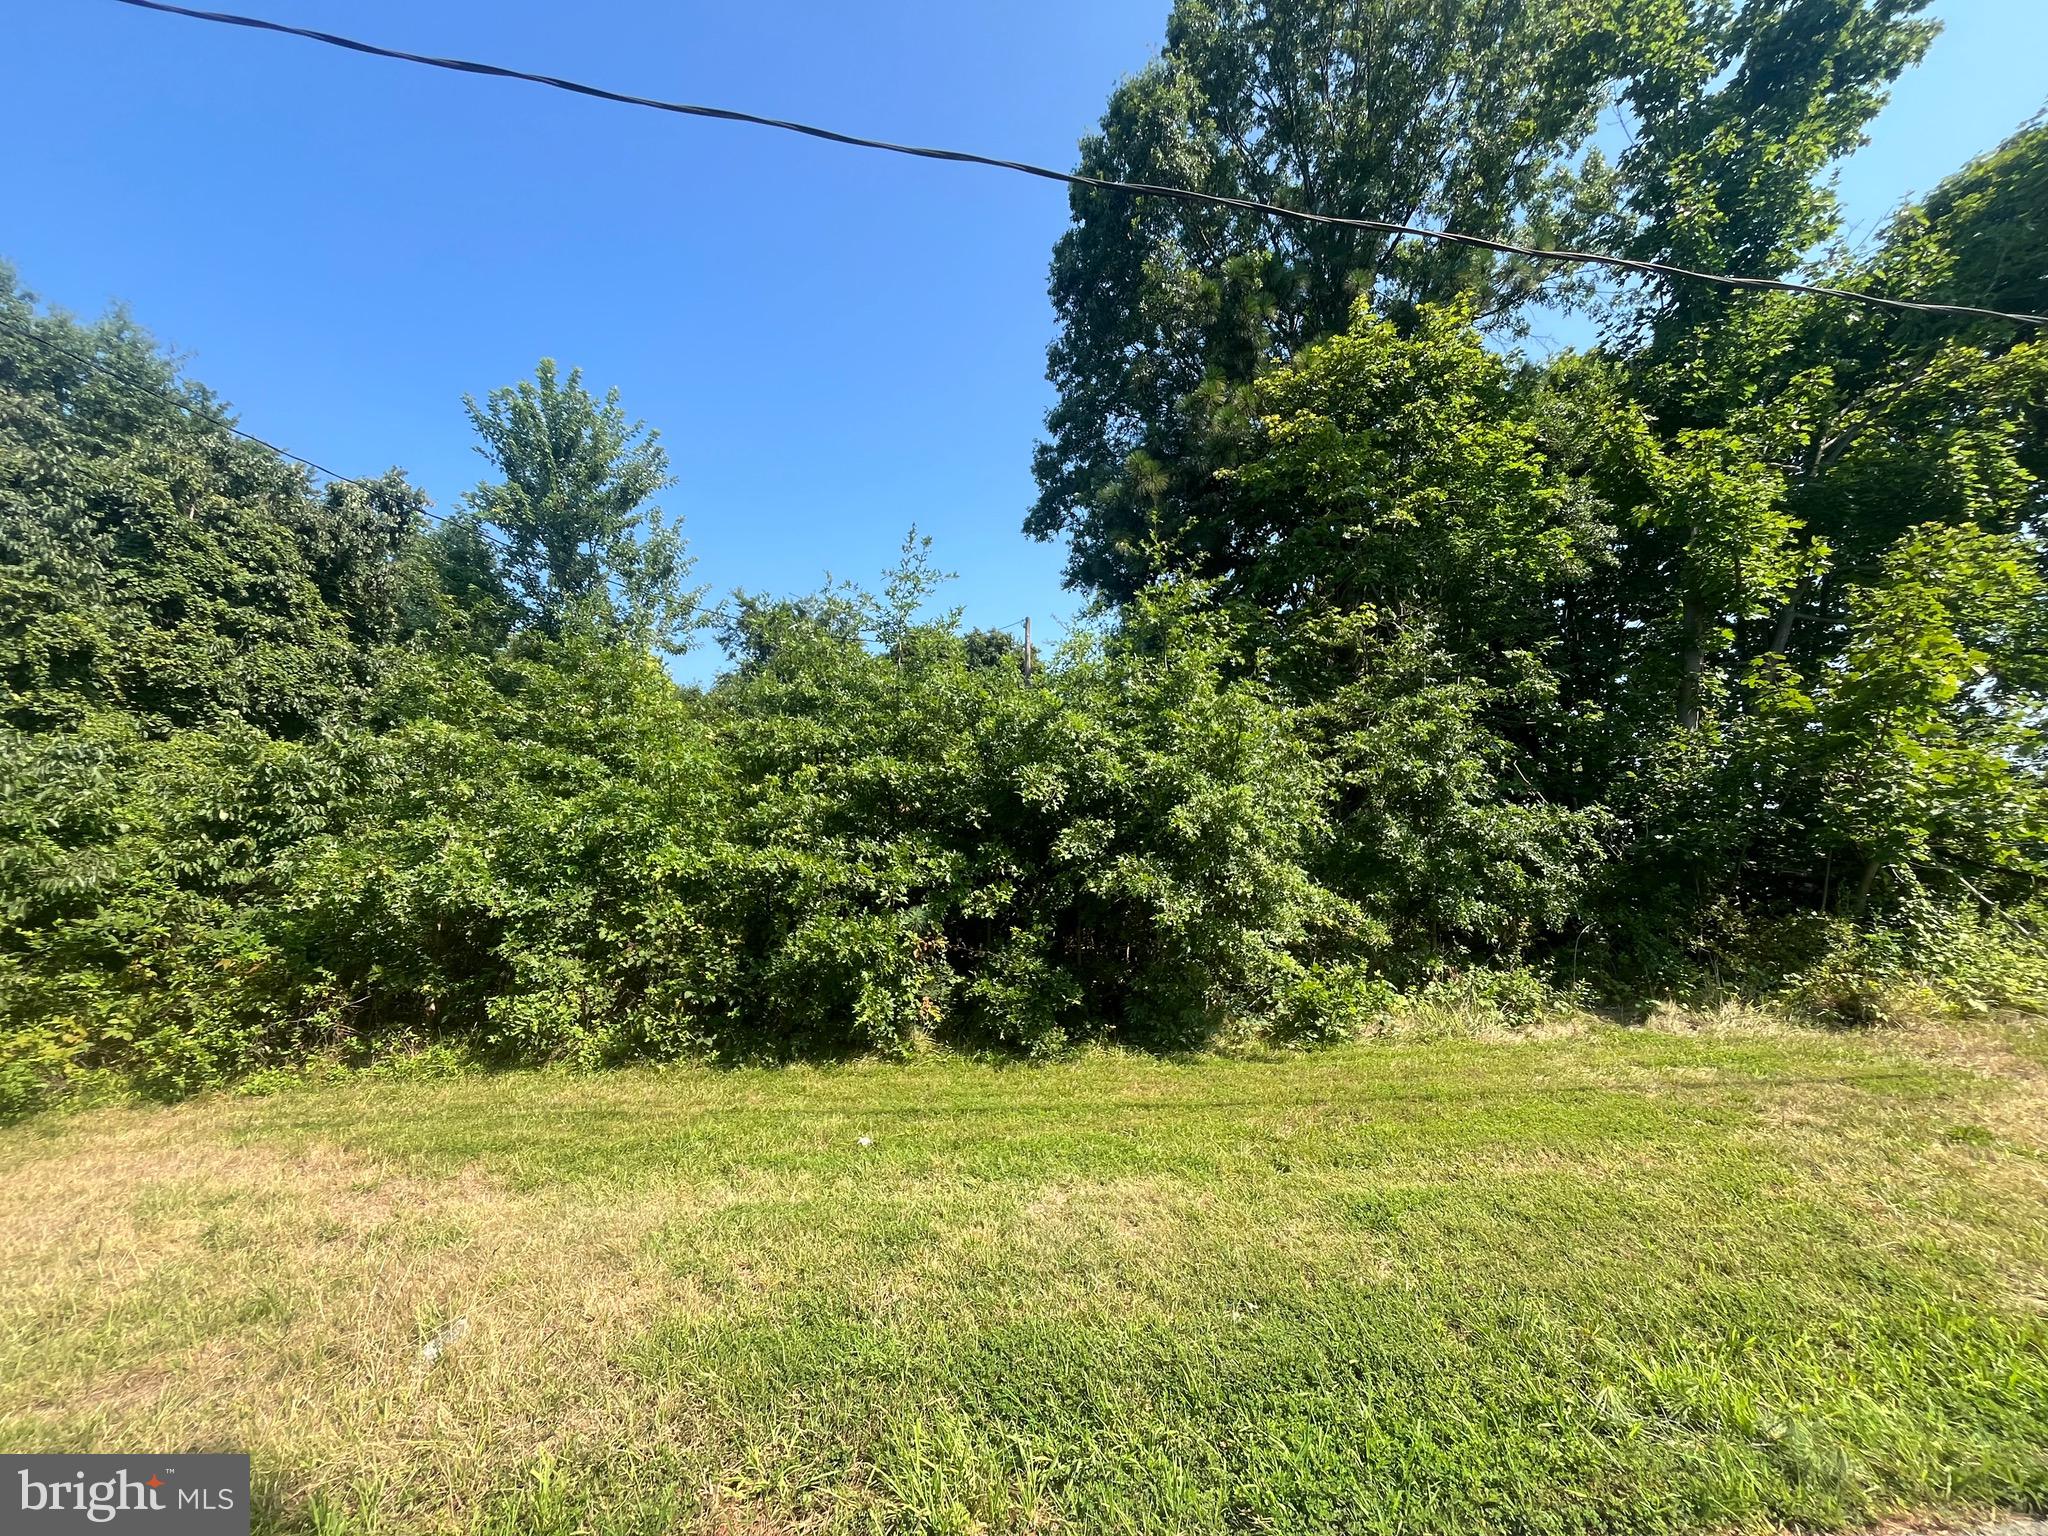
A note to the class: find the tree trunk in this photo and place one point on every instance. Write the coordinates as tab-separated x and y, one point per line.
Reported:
1694	664
1781	634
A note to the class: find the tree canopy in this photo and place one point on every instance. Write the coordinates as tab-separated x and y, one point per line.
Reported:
1463	114
1711	656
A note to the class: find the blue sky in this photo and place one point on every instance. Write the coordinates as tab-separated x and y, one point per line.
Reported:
834	344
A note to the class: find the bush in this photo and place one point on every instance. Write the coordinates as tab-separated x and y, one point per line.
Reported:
1939	959
558	854
137	898
285	777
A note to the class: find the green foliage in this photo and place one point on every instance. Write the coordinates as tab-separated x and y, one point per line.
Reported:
585	548
555	852
1459	115
1934	957
1437	678
1735	108
1930	755
836	849
153	565
1405	539
1980	228
1464	114
137	890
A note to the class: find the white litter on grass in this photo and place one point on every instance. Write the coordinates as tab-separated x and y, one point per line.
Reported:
865	1141
454	1333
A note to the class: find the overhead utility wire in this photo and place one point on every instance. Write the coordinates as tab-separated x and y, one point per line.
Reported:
122	376
1096	183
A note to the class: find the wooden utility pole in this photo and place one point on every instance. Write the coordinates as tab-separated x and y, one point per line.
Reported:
1027	648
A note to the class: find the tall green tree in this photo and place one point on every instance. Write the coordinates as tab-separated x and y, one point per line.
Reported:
1467	113
1930	756
1989	224
1734	110
585	545
1810	707
1405	539
1861	426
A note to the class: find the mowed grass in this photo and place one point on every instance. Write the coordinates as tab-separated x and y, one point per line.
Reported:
1631	1280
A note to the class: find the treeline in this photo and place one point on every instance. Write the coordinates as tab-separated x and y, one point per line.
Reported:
289	772
1710	658
1685	652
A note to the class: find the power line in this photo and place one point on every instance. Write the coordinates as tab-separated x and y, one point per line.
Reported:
1095	183
122	376
170	397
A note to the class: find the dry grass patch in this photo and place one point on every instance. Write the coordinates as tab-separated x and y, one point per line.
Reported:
1623	1281
169	1286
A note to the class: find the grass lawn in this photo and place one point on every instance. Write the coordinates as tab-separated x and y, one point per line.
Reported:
1645	1280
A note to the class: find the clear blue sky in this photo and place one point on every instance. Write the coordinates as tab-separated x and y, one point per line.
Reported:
833	343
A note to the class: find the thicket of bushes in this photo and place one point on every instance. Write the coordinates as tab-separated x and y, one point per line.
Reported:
1713	659
557	853
285	773
288	773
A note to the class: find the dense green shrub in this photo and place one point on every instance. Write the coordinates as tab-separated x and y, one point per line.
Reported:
558	854
1937	957
1116	848
138	887
1404	728
837	849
